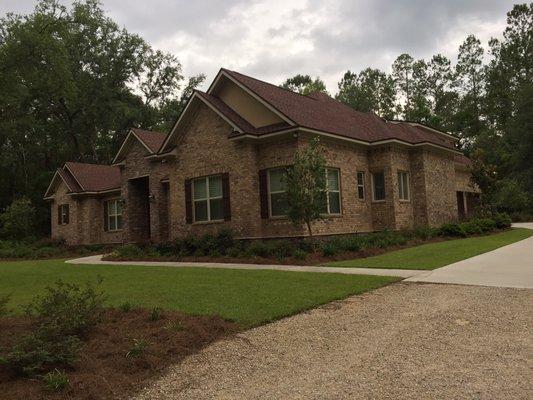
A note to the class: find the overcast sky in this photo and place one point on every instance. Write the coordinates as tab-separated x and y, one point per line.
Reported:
273	40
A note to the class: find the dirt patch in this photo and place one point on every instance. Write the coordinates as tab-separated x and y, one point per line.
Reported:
103	370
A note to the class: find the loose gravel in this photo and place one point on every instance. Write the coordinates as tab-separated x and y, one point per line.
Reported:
403	341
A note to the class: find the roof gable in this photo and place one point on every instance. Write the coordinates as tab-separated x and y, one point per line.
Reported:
150	140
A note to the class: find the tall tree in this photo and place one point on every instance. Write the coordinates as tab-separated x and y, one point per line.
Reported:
402	71
304	84
371	90
442	96
72	82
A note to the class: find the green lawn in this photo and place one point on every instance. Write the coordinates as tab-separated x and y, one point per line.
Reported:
436	255
247	297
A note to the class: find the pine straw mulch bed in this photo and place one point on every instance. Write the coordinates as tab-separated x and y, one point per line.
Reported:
103	370
316	258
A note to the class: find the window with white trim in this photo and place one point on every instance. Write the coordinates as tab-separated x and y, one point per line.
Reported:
207	199
333	192
378	186
64	214
114	215
403	185
360	185
277	192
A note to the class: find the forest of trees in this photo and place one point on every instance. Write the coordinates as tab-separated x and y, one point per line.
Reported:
73	82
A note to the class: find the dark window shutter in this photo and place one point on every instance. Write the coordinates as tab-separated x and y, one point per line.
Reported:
188	201
59	215
226	197
263	193
67	213
105	216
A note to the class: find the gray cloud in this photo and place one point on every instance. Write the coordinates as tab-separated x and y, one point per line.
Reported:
278	38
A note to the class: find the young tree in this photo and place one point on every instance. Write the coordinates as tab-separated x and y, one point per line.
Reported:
306	185
371	90
18	221
304	84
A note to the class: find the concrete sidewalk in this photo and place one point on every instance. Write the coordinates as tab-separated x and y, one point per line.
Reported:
402	273
509	266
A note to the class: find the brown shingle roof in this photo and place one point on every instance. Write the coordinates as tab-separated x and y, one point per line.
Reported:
69	180
94	177
321	112
153	140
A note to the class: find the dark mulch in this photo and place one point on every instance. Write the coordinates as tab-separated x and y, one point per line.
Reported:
103	370
316	258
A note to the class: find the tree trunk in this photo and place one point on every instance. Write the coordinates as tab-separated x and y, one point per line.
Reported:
308	223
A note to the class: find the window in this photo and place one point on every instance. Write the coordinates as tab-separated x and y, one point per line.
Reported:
277	187
360	185
403	185
333	192
114	214
63	214
378	186
207	199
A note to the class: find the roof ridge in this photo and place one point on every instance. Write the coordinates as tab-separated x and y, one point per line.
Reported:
271	84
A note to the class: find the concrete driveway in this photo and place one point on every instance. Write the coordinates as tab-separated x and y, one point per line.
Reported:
509	266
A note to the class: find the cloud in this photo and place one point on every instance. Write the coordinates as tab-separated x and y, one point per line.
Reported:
278	38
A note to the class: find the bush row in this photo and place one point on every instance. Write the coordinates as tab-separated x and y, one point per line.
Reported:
42	249
224	244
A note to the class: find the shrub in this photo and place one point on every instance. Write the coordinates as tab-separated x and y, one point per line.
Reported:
425	233
56	380
258	249
224	240
471	227
281	249
18	221
453	230
300	254
502	220
138	348
233	251
33	353
329	249
486	224
309	245
66	309
128	251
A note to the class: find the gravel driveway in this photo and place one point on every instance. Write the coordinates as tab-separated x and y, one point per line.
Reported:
408	341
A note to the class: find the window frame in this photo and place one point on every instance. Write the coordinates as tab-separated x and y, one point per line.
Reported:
407	189
328	208
115	215
360	185
62	214
270	192
372	180
207	199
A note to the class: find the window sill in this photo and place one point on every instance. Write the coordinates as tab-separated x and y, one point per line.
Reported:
404	201
216	221
114	230
379	201
325	216
278	217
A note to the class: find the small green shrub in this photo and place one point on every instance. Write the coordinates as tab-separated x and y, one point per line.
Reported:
487	224
66	309
300	254
452	229
259	249
281	249
502	220
233	251
156	314
471	227
329	249
426	233
309	245
33	353
138	348
56	380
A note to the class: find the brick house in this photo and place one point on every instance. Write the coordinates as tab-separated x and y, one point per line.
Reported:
221	166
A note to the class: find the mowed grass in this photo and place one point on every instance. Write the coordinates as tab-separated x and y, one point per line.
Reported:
439	254
249	298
